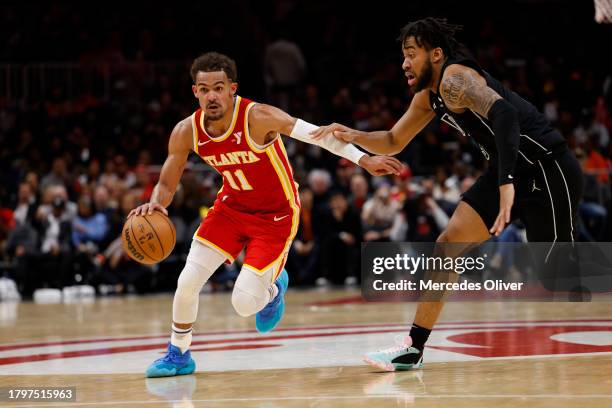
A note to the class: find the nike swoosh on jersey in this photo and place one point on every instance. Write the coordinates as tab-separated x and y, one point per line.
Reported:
203	143
280	218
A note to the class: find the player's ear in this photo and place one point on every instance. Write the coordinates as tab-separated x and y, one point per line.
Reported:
194	89
233	88
437	54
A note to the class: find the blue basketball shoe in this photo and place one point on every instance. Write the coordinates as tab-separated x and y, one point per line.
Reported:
268	317
399	358
173	363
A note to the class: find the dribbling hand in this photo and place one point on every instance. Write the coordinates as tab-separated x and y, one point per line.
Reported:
148	208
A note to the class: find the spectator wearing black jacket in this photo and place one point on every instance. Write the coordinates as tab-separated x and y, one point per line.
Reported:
340	241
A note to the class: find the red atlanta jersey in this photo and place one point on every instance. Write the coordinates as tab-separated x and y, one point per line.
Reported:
256	179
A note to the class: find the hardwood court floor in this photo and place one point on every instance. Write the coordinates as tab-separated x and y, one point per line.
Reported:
481	355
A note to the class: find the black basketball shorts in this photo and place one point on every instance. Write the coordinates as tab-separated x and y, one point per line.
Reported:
547	194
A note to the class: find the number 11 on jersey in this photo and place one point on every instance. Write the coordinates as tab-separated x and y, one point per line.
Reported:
244	184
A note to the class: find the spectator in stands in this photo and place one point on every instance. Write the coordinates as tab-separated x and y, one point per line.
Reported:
319	182
31	178
26	204
143	183
22	248
126	176
110	210
91	175
445	190
425	219
341	237
56	193
378	215
57	176
55	262
591	129
359	192
103	204
284	70
7	222
303	261
344	171
109	175
596	164
116	273
88	228
404	186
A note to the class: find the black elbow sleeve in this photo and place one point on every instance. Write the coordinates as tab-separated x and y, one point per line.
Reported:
505	125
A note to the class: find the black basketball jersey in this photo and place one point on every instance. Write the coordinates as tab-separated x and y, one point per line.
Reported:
538	139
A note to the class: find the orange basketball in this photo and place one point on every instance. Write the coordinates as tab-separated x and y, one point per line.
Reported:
148	239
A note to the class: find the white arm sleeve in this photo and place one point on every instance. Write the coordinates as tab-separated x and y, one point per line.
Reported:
301	131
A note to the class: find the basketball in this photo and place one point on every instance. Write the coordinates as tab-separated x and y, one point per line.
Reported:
148	239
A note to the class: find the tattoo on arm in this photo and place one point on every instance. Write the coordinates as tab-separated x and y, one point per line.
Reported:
462	90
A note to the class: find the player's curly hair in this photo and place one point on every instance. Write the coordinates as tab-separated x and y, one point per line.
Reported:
433	32
213	61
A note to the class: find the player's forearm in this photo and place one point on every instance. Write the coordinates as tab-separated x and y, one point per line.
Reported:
162	195
505	123
302	131
378	142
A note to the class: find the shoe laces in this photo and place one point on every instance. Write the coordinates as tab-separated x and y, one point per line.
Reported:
172	355
401	343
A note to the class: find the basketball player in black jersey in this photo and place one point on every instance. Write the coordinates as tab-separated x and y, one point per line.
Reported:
532	175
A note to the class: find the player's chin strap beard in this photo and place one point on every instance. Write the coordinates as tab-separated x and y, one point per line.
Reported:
425	78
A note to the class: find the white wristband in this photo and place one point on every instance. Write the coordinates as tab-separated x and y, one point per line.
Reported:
301	131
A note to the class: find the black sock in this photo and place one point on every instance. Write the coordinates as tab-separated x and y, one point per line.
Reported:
419	336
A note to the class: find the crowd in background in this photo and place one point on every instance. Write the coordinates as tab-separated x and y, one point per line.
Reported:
74	162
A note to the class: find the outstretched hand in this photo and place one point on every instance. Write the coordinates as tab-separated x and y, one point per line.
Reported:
337	130
381	165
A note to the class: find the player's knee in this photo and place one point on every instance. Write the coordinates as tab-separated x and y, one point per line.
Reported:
243	302
190	280
452	233
449	243
246	303
202	261
250	293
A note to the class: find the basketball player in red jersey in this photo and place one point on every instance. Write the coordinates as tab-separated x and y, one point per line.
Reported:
257	206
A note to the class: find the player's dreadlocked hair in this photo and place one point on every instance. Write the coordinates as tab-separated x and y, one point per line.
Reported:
433	32
213	61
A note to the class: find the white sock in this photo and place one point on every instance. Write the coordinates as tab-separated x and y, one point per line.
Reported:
181	338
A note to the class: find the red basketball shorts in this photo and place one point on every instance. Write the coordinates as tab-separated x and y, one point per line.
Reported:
267	237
